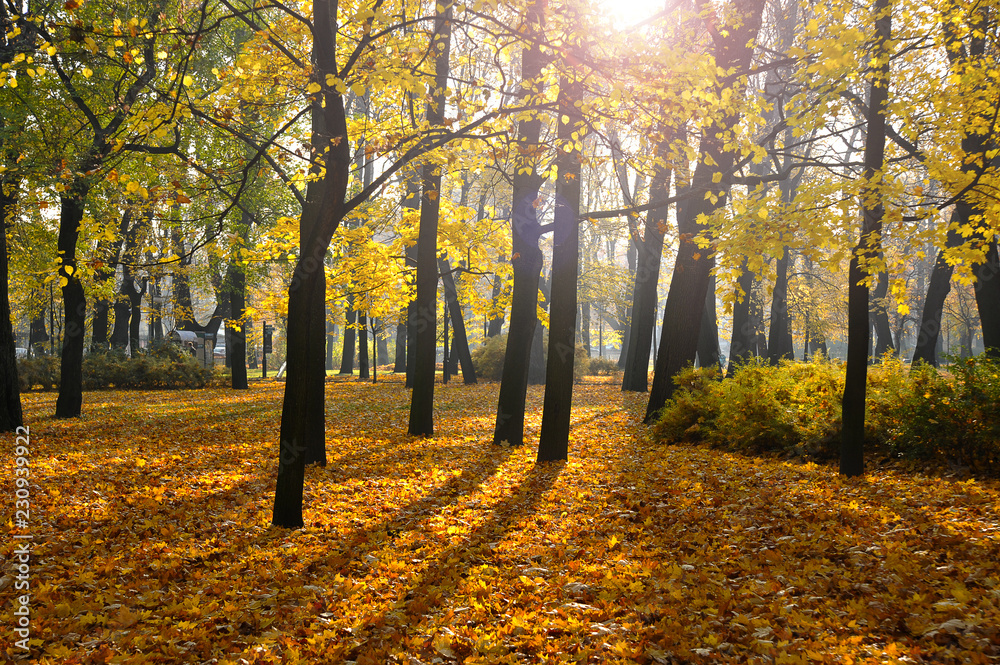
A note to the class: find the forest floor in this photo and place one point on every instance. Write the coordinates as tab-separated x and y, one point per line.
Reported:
151	542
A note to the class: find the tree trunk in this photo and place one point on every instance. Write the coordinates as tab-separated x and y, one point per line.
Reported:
350	338
685	305
302	413
496	321
236	346
379	343
135	315
852	460
553	442
364	372
70	401
988	299
647	275
422	398
743	343
883	330
523	334
708	352
11	416
460	340
400	360
779	338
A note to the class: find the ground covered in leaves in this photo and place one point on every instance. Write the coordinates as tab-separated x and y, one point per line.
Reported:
151	515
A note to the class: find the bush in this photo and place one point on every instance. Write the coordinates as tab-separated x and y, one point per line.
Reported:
793	408
920	414
40	371
602	366
163	366
488	358
929	416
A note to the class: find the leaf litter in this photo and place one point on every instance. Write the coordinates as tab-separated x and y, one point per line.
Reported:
152	543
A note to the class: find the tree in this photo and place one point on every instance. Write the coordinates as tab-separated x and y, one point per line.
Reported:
553	442
526	259
422	398
733	37
866	252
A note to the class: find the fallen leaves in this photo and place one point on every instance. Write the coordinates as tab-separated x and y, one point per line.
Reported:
453	550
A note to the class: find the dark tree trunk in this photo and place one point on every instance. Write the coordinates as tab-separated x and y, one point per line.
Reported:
647	276
364	372
779	338
236	346
11	416
379	343
743	344
400	361
36	333
122	310
708	352
852	459
496	321
99	339
883	330
422	398
412	201
682	314
988	299
584	325
350	338
631	256
460	340
135	315
526	259
70	401
302	413
553	441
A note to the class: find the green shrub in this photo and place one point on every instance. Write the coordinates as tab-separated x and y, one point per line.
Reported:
691	413
40	371
921	414
602	366
488	358
793	408
163	366
929	416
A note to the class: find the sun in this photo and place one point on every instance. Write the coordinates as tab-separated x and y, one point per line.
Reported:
629	13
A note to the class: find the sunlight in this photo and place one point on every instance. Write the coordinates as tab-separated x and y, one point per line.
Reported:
630	13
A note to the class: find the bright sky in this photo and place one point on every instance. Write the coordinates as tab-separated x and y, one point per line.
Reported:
627	13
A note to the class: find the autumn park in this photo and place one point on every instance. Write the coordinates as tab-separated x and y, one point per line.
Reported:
527	331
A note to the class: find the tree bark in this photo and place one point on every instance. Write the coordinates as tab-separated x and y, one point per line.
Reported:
647	276
743	343
883	330
70	401
237	344
460	340
685	305
553	442
852	460
496	321
779	338
350	337
11	415
364	371
422	398
321	216
523	334
987	289
709	354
